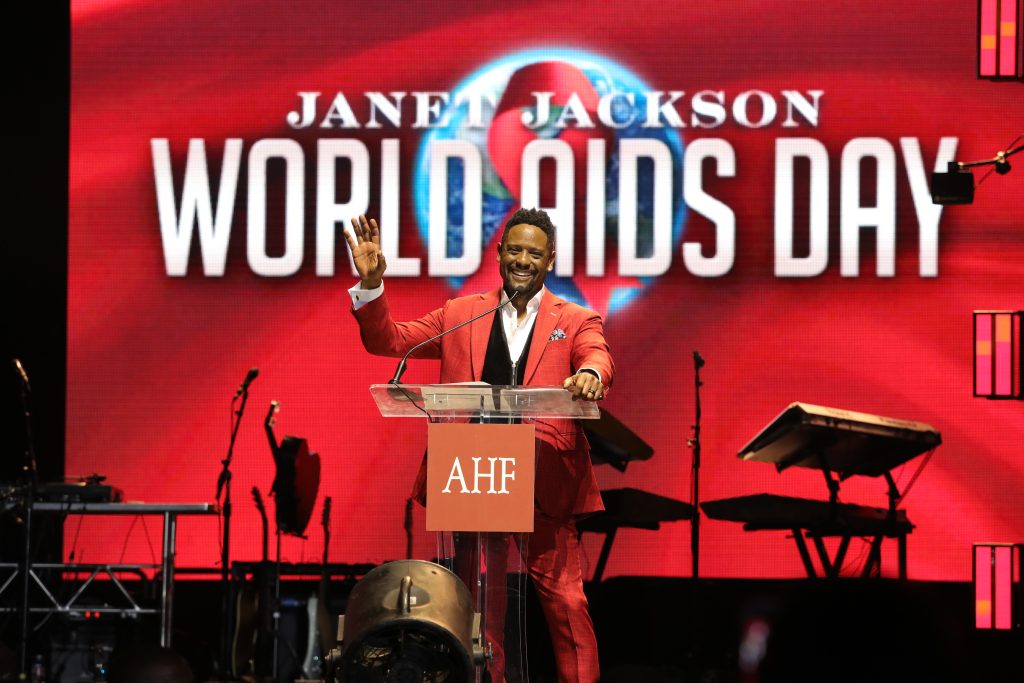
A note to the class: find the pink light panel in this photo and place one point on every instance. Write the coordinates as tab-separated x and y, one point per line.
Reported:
982	586
999	39
987	24
997	354
1002	586
1008	44
996	574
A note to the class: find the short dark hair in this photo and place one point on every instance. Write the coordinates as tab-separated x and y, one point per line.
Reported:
538	218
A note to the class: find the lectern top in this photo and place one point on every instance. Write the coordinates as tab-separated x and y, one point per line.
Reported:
479	400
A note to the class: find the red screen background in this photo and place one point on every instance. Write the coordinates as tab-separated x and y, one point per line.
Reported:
152	360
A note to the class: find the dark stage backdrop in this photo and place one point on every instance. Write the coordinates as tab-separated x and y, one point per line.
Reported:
206	179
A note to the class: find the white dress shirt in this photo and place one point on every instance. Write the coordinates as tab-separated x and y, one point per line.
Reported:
517	333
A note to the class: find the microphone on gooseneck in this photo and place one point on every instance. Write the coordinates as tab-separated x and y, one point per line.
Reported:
400	370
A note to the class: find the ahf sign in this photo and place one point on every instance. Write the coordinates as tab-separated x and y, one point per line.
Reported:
480	477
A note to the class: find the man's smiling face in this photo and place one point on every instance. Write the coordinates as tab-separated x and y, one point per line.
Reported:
524	258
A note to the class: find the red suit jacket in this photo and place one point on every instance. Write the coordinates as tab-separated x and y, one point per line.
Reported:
566	337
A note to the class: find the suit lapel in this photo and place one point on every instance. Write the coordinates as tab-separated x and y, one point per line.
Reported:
480	331
547	317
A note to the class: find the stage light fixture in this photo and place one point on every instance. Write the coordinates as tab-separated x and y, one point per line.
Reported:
997	586
997	354
408	621
956	184
1000	40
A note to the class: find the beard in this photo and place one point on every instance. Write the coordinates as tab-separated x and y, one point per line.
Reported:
510	284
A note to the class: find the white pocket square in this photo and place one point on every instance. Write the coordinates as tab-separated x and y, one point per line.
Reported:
557	334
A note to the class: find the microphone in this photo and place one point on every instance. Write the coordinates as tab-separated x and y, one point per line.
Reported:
400	370
698	360
22	375
244	387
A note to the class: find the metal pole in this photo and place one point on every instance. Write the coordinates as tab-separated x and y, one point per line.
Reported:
31	477
694	443
26	571
224	486
167	582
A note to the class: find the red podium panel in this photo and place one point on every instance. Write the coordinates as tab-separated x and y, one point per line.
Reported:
480	477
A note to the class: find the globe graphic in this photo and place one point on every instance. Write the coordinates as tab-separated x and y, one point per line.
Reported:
497	202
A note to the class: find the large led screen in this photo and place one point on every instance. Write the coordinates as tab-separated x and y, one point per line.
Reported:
745	179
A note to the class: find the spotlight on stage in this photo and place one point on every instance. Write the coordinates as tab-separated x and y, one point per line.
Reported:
408	621
956	185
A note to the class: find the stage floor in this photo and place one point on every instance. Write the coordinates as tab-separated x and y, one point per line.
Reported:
655	630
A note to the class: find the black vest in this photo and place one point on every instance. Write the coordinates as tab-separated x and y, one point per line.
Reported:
497	365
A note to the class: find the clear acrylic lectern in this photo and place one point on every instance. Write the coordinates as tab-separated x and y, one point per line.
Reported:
477	400
490	563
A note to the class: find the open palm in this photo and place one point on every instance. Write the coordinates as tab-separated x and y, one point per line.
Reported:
366	251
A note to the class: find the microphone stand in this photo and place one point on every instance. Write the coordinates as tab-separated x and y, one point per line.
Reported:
408	528
694	444
224	486
400	370
32	477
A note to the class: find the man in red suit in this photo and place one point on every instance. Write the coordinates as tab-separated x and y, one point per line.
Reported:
538	339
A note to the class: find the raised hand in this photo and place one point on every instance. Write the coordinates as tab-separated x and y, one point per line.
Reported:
366	251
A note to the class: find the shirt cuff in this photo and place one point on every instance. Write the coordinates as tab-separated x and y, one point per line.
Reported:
590	370
361	297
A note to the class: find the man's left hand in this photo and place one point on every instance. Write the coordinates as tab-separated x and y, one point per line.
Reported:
584	385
